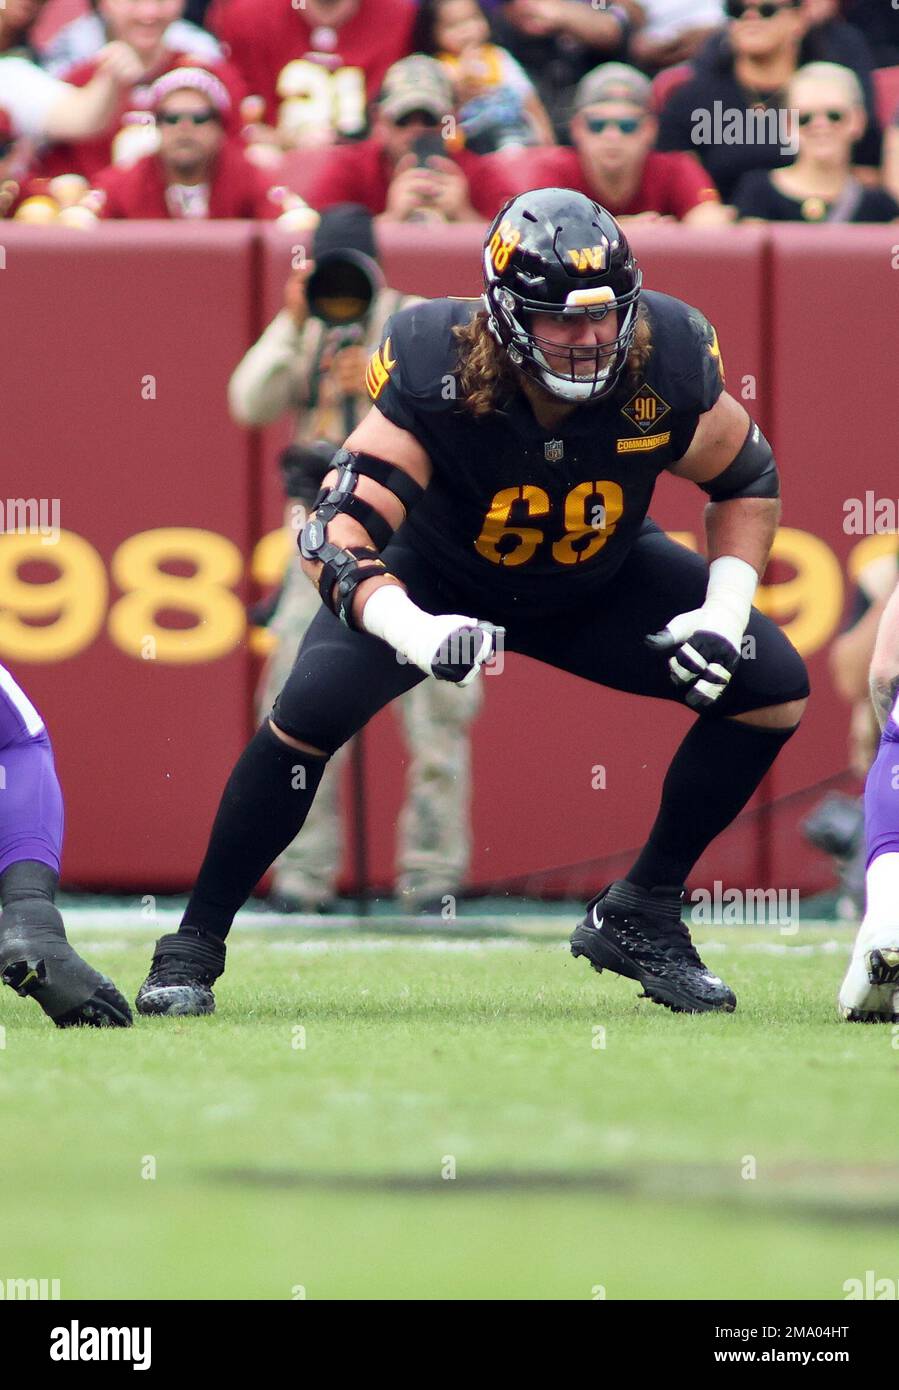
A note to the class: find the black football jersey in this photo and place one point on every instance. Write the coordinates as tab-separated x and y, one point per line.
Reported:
536	518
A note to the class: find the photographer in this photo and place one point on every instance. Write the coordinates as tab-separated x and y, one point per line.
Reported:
312	359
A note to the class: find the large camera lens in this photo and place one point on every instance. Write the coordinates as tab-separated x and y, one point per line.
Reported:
340	290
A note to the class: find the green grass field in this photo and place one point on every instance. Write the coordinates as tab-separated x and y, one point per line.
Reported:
615	1160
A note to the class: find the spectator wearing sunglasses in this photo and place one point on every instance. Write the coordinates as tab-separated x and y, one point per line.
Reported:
143	27
827	105
407	171
613	160
742	77
197	171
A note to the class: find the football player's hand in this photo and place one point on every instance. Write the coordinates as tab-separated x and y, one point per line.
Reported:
450	646
705	651
464	649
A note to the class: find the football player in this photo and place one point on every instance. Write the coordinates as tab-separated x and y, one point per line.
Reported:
870	991
502	479
36	960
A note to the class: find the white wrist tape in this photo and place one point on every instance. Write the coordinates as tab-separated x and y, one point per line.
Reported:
389	613
732	586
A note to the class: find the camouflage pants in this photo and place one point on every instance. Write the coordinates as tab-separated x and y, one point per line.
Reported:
434	828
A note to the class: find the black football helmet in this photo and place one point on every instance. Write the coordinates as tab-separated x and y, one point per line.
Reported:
553	250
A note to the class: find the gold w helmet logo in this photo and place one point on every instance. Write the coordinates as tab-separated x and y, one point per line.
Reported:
589	258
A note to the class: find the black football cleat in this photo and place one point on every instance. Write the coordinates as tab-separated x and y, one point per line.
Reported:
38	962
185	966
637	933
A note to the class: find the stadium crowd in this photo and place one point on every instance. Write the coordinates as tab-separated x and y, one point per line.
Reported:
698	111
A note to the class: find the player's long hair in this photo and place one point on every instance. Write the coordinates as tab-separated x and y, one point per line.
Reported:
487	377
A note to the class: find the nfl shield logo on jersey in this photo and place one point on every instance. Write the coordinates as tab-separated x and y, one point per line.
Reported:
553	450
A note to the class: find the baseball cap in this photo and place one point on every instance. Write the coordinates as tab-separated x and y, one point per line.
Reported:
613	82
416	83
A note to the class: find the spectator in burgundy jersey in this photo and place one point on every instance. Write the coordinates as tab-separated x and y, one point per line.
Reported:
394	180
197	172
313	66
613	159
142	26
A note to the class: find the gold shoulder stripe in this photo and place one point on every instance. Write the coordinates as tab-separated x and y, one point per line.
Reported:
715	352
377	373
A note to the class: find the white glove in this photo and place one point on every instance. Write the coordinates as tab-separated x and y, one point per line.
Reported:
446	645
706	642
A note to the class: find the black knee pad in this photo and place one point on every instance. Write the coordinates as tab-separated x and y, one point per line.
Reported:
771	671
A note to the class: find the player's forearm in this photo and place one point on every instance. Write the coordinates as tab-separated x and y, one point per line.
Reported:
346	532
744	527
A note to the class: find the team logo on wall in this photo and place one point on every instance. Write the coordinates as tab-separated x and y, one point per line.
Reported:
645	409
553	450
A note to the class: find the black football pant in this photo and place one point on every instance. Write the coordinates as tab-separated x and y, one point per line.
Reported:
342	678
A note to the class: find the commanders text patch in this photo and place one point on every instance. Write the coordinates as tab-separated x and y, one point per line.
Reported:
648	441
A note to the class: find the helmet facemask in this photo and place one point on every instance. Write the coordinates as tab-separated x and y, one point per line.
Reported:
513	319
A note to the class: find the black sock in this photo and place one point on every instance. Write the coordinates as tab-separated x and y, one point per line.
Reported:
714	773
264	804
27	879
27	890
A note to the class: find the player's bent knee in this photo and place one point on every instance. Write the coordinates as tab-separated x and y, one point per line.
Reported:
296	742
785	716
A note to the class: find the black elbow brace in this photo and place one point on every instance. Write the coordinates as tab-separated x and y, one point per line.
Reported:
343	570
753	473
